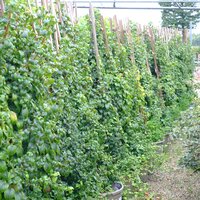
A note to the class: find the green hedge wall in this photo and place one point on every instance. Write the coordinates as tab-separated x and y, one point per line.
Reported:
68	131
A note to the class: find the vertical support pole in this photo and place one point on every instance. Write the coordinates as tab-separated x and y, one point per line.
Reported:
44	4
67	10
59	11
56	32
121	30
2	7
116	28
130	42
152	41
111	24
139	29
47	4
71	12
142	39
7	26
33	24
46	8
94	37
104	35
190	32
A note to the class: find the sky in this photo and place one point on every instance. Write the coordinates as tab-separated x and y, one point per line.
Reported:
142	17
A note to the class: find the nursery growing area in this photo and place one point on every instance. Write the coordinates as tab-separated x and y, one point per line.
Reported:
83	102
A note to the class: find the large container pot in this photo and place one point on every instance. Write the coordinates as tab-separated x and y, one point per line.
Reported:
116	194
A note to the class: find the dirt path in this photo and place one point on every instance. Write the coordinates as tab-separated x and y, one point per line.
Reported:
172	181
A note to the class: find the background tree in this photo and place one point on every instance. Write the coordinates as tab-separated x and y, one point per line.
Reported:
180	18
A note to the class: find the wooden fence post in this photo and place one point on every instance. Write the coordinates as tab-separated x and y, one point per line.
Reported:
141	34
2	7
111	24
116	28
59	11
56	27
139	29
44	4
130	42
33	24
152	41
104	35
121	31
94	37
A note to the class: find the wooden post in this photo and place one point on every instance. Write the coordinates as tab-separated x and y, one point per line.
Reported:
162	34
36	3
67	10
57	25
56	32
59	11
47	4
33	24
157	71
7	26
168	34
104	35
116	28
44	4
2	7
111	24
70	11
46	8
142	39
152	41
147	64
121	30
130	42
94	37
139	29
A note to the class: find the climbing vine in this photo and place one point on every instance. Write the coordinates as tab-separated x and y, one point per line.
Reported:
69	129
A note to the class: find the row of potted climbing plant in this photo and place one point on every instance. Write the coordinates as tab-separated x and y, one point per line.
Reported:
72	126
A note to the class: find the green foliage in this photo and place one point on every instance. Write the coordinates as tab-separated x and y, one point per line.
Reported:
179	18
188	129
67	132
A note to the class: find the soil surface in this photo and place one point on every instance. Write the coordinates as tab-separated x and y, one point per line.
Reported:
172	181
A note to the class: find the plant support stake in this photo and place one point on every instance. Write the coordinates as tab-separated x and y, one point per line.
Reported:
92	18
2	7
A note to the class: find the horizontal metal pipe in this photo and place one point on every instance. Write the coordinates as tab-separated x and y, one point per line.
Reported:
142	1
144	8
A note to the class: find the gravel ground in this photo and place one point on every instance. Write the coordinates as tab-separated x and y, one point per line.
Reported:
172	181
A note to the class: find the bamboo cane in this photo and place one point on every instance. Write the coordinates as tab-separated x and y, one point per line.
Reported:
92	18
130	42
104	34
56	32
2	7
152	41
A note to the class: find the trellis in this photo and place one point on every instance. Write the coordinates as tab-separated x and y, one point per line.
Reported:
61	8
